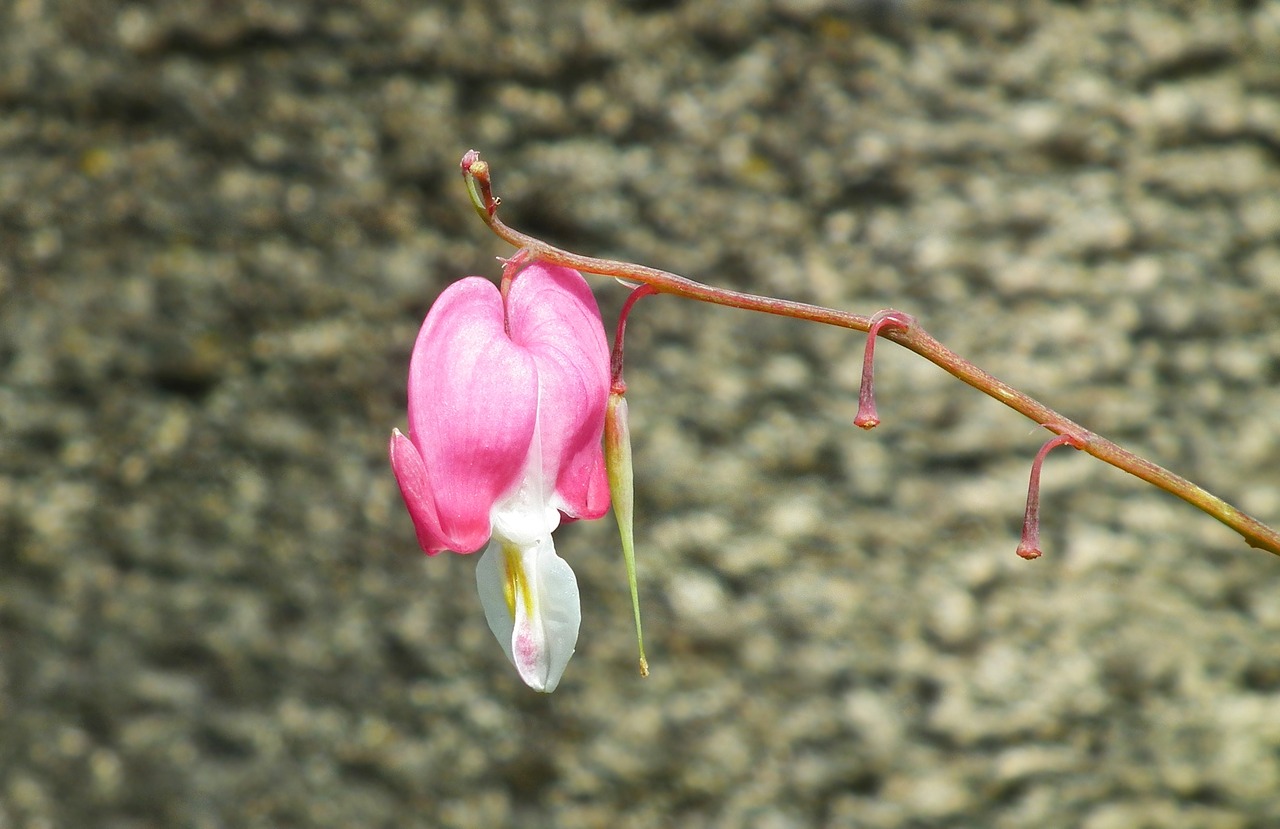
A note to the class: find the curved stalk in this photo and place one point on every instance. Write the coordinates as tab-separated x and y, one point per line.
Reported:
912	337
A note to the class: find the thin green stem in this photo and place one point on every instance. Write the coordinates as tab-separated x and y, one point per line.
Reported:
913	338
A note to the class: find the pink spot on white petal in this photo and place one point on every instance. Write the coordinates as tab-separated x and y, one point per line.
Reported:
525	649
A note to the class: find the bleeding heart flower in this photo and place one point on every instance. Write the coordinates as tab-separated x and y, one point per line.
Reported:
506	412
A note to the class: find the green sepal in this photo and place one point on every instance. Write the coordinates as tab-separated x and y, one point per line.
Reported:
617	459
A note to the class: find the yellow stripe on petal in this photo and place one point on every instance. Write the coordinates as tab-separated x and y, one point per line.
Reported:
516	583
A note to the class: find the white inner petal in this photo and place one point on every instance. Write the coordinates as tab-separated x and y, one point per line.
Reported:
531	602
529	594
525	514
491	582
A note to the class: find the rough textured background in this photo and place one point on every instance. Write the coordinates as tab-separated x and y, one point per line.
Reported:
222	222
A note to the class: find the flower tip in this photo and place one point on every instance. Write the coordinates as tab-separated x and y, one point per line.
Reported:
475	172
1028	552
644	666
415	489
866	421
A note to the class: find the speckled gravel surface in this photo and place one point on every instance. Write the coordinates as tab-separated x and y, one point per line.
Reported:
222	222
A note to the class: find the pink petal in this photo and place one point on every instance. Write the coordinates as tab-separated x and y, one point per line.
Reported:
473	397
415	488
554	317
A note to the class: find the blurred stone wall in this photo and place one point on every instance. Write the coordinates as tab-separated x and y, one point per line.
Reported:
222	222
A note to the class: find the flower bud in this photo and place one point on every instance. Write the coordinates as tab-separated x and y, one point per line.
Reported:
617	458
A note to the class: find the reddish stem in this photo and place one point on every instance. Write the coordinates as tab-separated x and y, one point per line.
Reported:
476	174
616	384
868	417
510	268
1029	546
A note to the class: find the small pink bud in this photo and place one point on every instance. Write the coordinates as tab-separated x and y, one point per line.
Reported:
868	417
1029	545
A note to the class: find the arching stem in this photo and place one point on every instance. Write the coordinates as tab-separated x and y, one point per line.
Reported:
476	173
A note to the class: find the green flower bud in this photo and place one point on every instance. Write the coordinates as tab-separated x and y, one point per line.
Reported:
617	459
